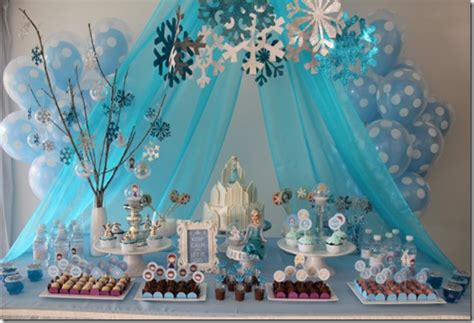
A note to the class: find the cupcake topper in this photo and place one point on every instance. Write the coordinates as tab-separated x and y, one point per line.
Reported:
198	277
292	220
303	214
62	264
113	260
279	276
75	271
83	263
122	265
301	275
160	271
374	270
76	259
53	271
299	261
116	272
152	266
398	277
337	221
193	267
148	275
261	280
422	275
360	265
387	272
290	271
96	272
324	274
171	260
248	272
182	272
380	278
171	274
239	278
365	274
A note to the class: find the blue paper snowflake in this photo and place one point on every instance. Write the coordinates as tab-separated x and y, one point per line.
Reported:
173	53
48	145
233	17
36	56
69	118
36	140
106	108
160	130
30	113
351	49
112	132
66	155
150	114
270	69
124	99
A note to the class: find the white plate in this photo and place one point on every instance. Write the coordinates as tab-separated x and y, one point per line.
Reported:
353	287
46	294
271	297
202	296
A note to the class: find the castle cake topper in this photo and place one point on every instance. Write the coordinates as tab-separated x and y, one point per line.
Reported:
232	199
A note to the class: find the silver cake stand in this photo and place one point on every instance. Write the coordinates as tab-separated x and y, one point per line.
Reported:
315	260
134	259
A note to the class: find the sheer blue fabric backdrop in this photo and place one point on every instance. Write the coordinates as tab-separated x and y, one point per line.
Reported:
314	135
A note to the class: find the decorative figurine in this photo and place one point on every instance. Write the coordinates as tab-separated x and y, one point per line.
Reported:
147	224
254	240
171	259
108	240
154	239
234	174
235	237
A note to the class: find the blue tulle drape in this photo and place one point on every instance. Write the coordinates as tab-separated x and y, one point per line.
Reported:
314	135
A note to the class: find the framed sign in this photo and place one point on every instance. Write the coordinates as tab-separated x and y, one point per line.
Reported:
198	245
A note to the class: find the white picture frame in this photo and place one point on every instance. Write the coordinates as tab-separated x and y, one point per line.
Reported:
183	228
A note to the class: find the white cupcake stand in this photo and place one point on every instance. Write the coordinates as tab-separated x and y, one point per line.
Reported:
134	259
315	260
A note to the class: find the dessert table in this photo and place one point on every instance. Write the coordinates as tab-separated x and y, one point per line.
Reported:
28	305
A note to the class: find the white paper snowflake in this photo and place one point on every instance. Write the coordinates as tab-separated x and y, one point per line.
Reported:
315	25
152	151
258	40
210	55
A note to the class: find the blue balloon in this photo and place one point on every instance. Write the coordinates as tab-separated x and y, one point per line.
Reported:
392	142
427	142
63	55
42	174
112	39
14	132
415	190
406	63
401	96
389	43
439	113
362	93
19	76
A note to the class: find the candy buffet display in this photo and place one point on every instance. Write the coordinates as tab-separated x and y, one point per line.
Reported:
387	279
232	199
171	284
295	284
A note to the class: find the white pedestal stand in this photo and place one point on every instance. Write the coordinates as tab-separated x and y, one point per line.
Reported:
315	259
236	253
134	259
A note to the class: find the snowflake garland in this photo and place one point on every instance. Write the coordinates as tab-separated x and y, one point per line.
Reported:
152	151
174	53
66	156
36	55
316	22
259	50
209	56
160	130
351	49
233	18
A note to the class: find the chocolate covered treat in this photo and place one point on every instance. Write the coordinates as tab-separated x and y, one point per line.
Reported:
87	285
301	290
172	287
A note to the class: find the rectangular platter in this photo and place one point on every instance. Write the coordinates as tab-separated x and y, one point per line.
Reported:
271	297
47	294
202	296
352	286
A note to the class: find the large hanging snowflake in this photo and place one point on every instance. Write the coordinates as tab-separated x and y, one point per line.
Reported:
209	56
69	118
314	27
152	151
66	155
257	47
234	17
123	99
352	49
160	130
174	53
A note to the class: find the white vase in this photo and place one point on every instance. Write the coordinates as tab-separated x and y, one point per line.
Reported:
168	228
99	218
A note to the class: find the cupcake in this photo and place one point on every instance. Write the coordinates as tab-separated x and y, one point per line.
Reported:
154	241
128	245
341	235
333	244
291	238
305	244
108	242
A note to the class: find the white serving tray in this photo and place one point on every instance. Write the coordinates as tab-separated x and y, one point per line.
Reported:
47	294
353	287
202	296
271	297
